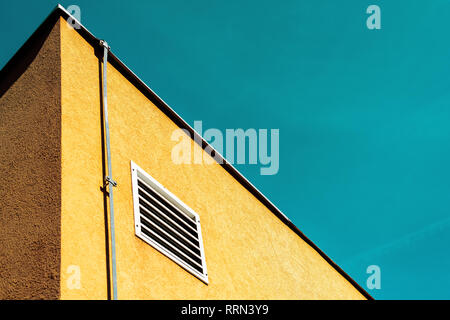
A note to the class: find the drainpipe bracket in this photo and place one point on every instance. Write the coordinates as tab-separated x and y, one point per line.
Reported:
104	44
109	180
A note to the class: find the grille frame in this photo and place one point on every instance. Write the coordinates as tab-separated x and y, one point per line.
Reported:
139	175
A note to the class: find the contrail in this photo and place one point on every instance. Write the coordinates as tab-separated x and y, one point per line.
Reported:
401	242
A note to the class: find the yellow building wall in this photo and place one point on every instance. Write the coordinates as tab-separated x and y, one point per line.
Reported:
250	253
82	216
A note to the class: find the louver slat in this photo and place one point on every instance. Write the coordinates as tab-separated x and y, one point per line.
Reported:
192	245
168	243
166	219
167	224
182	216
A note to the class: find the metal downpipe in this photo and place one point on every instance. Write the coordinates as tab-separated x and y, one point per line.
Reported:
108	179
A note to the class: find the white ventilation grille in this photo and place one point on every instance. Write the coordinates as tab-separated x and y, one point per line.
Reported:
167	224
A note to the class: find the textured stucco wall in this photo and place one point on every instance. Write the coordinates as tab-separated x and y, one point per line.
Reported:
83	239
250	253
30	176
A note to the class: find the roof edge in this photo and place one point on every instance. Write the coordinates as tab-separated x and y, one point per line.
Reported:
60	11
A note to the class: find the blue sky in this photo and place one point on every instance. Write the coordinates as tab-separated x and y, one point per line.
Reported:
363	114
